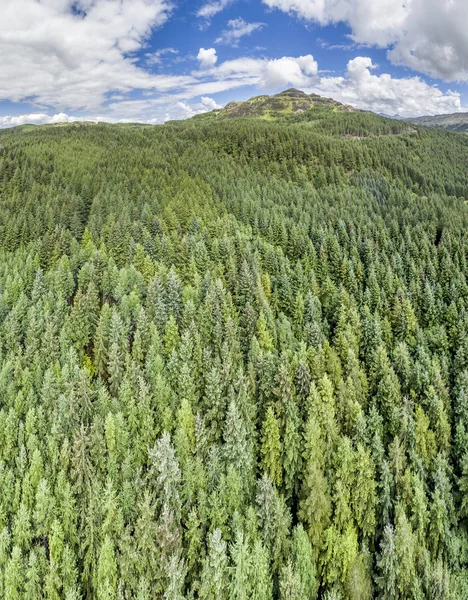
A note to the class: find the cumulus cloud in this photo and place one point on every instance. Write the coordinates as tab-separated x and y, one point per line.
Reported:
237	29
360	86
267	73
167	108
179	110
429	36
289	71
160	110
210	104
184	110
207	58
372	21
35	119
72	54
407	97
435	40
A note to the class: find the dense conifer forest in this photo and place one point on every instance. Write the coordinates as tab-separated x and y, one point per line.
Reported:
234	360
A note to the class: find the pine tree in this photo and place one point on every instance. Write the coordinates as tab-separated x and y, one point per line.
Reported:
214	583
262	588
241	572
290	584
274	520
32	587
315	504
292	451
171	336
271	448
408	582
175	572
387	563
14	576
237	447
364	497
264	337
304	563
106	578
165	468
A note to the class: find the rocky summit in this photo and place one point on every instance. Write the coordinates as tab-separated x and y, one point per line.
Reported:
289	102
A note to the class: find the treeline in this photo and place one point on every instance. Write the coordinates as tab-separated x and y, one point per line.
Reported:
234	362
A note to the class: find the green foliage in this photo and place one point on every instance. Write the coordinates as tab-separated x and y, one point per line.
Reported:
234	358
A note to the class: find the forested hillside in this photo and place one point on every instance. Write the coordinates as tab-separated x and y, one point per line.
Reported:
234	360
453	122
290	102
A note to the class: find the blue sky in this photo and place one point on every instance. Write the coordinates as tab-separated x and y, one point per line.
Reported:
153	60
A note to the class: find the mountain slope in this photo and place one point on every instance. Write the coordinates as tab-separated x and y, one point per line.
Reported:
453	122
289	102
309	110
234	360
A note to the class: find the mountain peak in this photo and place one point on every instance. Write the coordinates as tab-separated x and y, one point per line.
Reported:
293	93
287	102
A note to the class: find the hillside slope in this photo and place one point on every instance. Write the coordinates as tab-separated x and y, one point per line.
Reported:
296	107
289	102
453	122
234	360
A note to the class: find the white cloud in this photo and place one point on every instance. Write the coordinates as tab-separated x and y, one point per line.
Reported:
429	36
406	97
266	73
360	86
212	8
435	39
289	71
80	55
236	29
156	58
207	57
54	56
161	110
372	21
184	110
179	110
210	104
35	119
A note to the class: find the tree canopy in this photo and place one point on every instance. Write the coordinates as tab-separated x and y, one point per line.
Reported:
234	360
